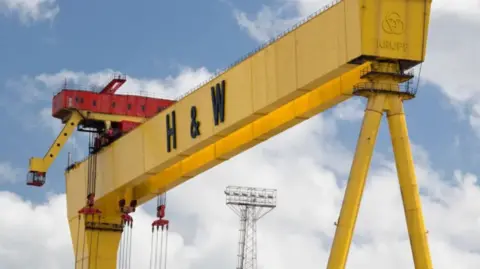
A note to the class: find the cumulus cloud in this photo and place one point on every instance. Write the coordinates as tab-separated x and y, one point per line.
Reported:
307	7
267	23
30	11
270	21
308	166
466	7
451	62
42	87
351	110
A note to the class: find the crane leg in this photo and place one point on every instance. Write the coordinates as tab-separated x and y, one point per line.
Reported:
356	182
94	248
385	92
408	184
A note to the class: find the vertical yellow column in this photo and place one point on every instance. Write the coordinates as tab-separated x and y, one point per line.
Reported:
408	184
356	182
94	249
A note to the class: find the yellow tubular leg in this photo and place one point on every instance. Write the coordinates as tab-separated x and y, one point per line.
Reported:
356	182
408	184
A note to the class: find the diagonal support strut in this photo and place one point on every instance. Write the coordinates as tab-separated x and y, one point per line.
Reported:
356	183
408	185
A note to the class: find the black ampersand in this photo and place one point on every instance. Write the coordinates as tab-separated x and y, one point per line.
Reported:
194	123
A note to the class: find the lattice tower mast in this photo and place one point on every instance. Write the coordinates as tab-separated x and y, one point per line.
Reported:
250	204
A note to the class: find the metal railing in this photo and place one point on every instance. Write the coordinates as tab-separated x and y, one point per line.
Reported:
147	94
89	88
405	88
387	68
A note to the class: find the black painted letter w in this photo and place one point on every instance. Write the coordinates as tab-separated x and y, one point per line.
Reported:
218	102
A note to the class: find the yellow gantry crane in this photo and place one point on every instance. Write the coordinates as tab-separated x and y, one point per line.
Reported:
350	48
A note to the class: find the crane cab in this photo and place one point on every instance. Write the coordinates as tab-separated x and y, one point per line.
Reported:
35	178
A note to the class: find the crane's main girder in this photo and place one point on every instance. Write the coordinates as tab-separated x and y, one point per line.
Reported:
298	75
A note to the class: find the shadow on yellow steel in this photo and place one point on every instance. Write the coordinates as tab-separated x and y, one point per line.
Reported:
299	75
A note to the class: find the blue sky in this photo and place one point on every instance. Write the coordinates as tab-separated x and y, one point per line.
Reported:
168	47
144	39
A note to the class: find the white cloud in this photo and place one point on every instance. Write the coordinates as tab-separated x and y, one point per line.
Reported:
43	86
270	21
267	23
466	7
307	7
451	62
308	166
30	10
351	110
452	56
8	173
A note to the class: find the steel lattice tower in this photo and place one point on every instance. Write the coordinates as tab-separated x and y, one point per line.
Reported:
250	204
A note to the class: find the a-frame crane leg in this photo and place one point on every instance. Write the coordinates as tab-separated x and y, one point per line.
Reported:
408	185
384	94
356	182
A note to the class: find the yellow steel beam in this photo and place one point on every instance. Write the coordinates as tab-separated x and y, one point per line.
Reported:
42	164
356	182
258	131
408	185
108	117
261	129
76	116
388	28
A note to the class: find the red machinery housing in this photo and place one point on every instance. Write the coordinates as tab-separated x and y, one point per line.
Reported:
128	105
107	102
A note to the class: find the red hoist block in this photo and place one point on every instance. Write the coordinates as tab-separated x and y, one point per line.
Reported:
126	210
89	209
127	219
160	222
